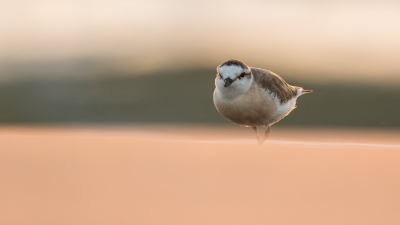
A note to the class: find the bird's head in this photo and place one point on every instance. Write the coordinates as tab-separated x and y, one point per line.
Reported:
233	75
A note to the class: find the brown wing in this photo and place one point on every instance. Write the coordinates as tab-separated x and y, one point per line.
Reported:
274	83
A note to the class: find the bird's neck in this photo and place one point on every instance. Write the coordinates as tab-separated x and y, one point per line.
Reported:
232	92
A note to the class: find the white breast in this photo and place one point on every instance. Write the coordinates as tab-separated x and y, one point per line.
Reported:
256	107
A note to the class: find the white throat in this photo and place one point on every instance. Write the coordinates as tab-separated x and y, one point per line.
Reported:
232	92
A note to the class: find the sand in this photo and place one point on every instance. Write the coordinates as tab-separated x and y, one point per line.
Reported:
198	175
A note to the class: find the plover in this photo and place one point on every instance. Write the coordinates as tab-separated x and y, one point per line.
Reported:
253	97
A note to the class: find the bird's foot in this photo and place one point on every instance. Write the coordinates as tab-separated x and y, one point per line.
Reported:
258	134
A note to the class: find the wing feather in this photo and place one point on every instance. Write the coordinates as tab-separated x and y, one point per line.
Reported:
275	84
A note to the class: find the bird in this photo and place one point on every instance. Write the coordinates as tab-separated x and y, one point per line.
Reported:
253	97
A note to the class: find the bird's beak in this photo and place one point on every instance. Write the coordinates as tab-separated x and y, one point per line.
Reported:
228	81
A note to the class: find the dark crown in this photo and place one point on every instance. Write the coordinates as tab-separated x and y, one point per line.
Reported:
235	62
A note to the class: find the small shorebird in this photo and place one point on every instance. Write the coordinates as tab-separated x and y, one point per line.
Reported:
253	97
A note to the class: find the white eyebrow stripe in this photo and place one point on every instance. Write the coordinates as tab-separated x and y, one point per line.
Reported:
231	71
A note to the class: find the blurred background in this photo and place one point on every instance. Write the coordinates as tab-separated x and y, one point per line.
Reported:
121	62
107	114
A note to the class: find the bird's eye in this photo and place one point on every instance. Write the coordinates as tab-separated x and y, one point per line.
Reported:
242	75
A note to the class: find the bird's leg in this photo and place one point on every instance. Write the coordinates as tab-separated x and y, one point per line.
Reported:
266	135
258	137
